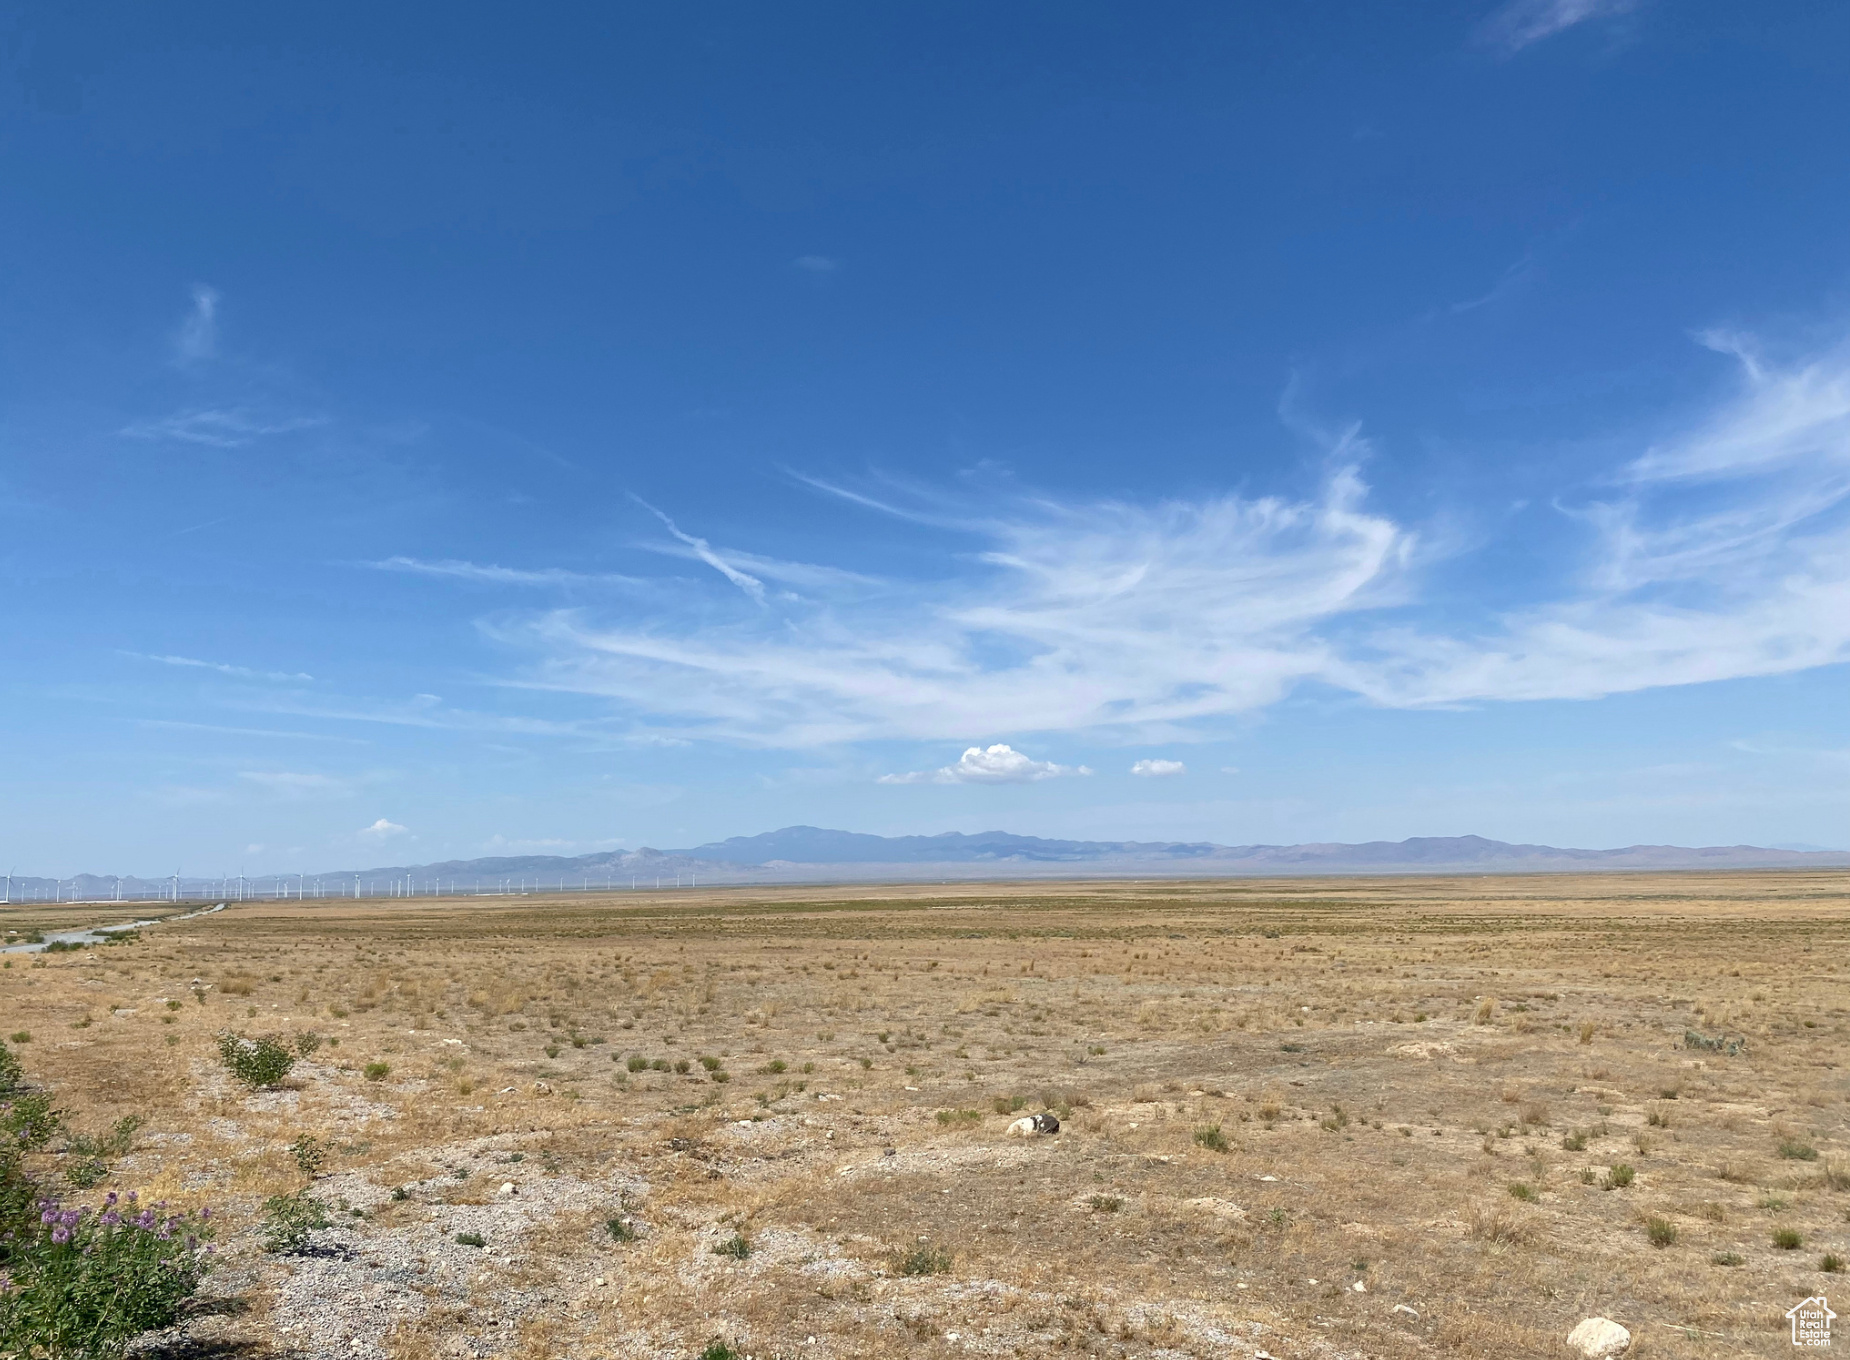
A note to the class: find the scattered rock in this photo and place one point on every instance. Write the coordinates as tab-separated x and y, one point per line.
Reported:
1359	1287
1598	1338
1402	1308
509	1188
1033	1125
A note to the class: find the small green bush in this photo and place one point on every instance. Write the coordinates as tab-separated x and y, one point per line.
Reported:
376	1071
1211	1138
258	1063
310	1153
1524	1192
1788	1239
637	1063
1661	1231
950	1117
924	1260
683	1066
1620	1176
1795	1151
735	1246
289	1219
1008	1104
306	1042
1575	1141
719	1350
1831	1263
471	1239
621	1229
1725	1258
1106	1204
709	1062
773	1068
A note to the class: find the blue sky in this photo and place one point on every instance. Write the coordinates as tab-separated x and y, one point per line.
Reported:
433	431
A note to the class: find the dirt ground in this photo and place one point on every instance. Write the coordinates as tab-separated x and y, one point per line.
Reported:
1308	1117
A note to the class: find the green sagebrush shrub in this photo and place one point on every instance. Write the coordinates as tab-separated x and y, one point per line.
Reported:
289	1219
255	1062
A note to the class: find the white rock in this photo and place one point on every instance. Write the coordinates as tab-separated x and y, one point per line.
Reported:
1402	1308
1598	1338
509	1188
1359	1287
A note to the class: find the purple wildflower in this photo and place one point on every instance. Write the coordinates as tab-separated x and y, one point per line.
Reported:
60	1235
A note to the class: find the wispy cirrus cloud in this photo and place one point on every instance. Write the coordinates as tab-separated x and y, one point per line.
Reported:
1513	26
1718	551
168	724
197	337
1074	617
1723	552
489	574
224	668
998	764
703	550
295	784
219	427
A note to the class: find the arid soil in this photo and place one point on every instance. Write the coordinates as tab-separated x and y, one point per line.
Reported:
1339	1117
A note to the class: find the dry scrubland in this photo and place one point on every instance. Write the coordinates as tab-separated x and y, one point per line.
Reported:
1271	1092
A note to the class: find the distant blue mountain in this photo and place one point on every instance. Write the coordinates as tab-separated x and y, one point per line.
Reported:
799	853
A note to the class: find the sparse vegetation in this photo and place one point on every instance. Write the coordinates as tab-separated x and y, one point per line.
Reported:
923	1260
1341	1123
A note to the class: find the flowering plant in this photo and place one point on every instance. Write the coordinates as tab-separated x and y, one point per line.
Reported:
79	1283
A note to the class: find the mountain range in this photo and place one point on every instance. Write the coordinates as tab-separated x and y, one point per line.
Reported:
808	854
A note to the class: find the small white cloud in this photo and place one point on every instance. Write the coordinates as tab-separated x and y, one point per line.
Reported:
1230	769
998	764
1158	769
197	337
254	848
816	264
382	830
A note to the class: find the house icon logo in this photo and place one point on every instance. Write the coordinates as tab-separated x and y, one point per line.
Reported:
1811	1321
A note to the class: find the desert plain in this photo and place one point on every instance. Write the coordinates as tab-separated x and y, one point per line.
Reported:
1395	1117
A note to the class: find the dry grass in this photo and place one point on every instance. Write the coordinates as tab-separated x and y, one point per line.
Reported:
1269	1091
